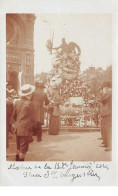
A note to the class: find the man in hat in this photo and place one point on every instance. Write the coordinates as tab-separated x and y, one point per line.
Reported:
23	121
106	114
39	99
8	88
9	111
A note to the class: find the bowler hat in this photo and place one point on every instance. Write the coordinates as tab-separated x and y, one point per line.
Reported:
26	89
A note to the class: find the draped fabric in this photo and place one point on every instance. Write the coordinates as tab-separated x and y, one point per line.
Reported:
54	125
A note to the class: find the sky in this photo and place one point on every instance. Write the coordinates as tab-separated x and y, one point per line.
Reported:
92	32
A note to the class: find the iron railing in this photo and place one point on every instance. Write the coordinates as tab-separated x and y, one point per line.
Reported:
85	121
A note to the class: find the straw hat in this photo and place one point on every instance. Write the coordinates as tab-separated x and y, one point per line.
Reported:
26	89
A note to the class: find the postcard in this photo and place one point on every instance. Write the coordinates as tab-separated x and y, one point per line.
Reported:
58	89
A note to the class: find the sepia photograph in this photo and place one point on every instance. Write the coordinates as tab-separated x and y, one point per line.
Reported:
58	87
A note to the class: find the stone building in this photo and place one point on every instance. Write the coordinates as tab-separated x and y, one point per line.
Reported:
20	49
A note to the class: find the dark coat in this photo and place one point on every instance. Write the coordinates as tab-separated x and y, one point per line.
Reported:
22	115
9	111
39	99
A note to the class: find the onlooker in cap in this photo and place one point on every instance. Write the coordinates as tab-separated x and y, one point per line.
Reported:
23	121
39	99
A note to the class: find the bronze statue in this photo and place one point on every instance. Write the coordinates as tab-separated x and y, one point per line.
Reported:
65	48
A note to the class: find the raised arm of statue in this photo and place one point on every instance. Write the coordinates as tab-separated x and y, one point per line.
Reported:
63	46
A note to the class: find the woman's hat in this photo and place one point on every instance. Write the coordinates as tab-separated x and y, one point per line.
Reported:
26	89
39	84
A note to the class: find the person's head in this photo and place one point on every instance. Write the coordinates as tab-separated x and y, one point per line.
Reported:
106	88
39	85
8	85
26	90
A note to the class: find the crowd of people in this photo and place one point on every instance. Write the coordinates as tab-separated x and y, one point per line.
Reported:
25	115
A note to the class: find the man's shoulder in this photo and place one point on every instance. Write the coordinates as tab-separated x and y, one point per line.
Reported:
36	92
45	95
22	101
9	101
17	101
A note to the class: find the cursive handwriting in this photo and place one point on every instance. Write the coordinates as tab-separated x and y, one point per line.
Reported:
93	174
102	166
71	171
16	167
29	174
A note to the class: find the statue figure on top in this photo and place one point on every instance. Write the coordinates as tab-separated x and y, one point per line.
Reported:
69	48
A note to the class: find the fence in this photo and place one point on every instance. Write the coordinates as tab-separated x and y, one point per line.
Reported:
85	121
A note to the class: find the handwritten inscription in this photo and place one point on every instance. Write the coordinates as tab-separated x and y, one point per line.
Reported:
71	171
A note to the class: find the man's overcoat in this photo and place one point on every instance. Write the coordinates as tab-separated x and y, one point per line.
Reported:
22	115
39	99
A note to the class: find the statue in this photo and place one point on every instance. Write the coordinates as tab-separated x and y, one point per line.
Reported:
65	68
49	45
69	48
63	46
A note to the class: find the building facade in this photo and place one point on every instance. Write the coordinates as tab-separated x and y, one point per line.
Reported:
20	49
